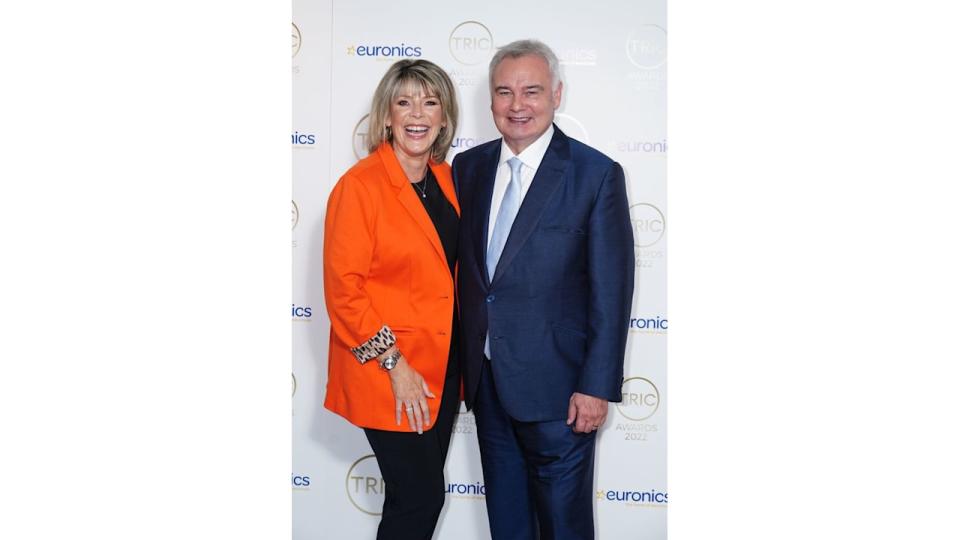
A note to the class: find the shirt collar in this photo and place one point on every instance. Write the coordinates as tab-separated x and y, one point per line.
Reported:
531	155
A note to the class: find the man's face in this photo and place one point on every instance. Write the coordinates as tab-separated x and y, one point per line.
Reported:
523	102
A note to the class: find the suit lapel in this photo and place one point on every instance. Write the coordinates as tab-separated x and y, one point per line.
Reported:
548	178
408	199
482	200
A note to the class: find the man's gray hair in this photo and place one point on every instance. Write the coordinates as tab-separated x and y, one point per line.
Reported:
527	47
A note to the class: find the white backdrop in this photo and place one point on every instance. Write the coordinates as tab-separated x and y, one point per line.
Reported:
613	55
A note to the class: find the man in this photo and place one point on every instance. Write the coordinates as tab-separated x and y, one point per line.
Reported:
545	285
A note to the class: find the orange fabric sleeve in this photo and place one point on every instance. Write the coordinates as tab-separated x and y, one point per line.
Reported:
348	244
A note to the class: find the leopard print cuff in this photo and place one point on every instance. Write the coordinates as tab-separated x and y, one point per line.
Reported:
375	346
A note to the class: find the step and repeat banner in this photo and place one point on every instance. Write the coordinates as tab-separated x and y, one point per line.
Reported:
613	66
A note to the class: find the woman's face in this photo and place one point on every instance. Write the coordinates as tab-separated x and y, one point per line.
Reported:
415	118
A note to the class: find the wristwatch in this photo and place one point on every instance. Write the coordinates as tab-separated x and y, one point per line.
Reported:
390	361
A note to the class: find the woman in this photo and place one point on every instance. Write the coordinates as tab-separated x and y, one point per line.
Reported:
390	246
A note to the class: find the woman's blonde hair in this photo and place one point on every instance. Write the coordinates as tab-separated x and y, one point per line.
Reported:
433	80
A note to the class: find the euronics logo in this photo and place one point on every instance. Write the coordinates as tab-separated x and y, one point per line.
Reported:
649	325
463	143
301	312
300	482
386	51
633	498
476	490
303	139
643	147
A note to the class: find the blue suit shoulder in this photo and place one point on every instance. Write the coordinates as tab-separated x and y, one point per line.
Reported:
584	153
476	152
470	161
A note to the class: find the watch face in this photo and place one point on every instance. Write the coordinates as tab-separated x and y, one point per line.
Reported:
390	362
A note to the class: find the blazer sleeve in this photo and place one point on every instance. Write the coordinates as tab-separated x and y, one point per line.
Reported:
610	267
348	244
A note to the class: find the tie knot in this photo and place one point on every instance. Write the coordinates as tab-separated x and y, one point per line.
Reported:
515	165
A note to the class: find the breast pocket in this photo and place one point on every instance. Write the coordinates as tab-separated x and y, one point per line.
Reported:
560	229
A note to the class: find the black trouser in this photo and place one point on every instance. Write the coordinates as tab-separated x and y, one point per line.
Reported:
412	468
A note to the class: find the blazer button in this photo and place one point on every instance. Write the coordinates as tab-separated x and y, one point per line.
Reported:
491	298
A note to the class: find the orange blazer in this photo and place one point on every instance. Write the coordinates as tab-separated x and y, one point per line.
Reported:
384	265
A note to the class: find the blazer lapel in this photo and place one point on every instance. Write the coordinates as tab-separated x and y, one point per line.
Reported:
548	178
482	202
408	199
445	181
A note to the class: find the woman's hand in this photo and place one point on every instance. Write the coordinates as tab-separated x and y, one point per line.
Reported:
411	393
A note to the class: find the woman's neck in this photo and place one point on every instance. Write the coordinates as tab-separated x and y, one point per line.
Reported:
415	167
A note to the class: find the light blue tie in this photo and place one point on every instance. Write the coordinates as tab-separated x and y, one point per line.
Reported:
501	228
508	212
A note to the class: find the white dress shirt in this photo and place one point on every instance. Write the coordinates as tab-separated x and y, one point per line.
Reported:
531	158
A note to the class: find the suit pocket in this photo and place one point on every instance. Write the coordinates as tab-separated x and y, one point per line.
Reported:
563	230
571	344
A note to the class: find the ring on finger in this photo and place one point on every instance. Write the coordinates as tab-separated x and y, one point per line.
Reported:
409	407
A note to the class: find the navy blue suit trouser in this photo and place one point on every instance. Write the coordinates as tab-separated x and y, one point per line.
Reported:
538	475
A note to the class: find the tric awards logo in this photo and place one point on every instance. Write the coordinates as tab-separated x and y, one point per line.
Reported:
648	224
365	486
360	137
647	47
471	43
296	39
641	399
572	127
465	423
296	215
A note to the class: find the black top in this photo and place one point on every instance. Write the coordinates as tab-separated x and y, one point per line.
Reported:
447	223
442	214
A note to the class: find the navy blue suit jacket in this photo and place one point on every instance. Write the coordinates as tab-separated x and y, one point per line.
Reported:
558	307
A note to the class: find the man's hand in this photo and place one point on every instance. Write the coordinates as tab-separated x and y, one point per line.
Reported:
588	412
